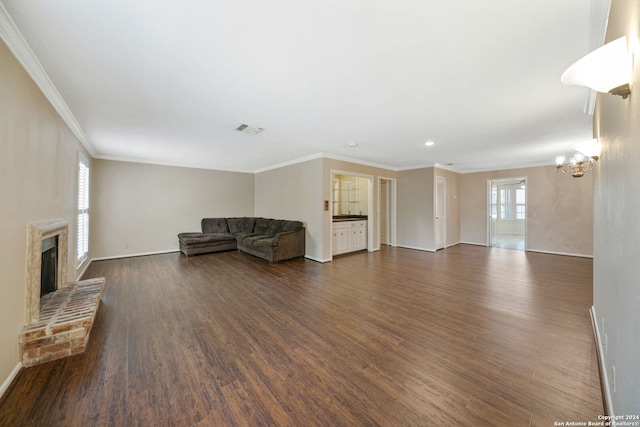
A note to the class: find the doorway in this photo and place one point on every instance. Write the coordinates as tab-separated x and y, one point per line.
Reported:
386	211
507	213
441	213
383	213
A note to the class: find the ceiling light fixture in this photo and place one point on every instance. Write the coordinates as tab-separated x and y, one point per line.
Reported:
607	69
578	165
252	130
352	144
429	143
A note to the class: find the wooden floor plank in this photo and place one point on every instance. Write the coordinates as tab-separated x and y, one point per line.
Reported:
465	336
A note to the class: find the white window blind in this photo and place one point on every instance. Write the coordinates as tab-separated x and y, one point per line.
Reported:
83	211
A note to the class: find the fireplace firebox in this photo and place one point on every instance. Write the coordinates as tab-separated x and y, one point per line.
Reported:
49	266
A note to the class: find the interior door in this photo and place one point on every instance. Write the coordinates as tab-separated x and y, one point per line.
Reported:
441	212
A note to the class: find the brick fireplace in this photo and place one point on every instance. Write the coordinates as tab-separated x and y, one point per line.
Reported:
58	324
37	233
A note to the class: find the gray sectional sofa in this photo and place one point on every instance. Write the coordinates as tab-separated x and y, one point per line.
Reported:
271	239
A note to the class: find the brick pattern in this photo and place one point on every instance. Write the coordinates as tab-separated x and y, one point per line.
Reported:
66	318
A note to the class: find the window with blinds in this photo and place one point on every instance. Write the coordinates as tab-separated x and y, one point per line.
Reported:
83	211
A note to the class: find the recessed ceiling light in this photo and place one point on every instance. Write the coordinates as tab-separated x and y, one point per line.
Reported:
252	130
429	143
352	144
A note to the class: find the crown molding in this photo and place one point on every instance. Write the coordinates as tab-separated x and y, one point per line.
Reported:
22	51
325	156
188	165
359	162
503	168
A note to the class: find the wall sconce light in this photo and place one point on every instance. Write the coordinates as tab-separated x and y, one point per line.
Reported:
607	69
587	153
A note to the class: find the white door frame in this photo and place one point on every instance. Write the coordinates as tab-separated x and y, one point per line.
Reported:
526	204
391	211
437	221
370	212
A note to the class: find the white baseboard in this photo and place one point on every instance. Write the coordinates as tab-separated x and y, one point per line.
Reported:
452	244
135	255
602	365
5	385
474	243
416	248
86	265
560	253
317	259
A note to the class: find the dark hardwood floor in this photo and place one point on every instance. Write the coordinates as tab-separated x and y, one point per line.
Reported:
468	336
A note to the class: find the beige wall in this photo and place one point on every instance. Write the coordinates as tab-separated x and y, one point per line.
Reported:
453	205
415	209
140	208
329	165
294	192
38	166
559	209
616	285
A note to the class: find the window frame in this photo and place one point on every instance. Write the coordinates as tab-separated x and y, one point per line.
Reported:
83	210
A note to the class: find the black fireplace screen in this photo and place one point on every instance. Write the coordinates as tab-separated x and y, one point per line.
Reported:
49	266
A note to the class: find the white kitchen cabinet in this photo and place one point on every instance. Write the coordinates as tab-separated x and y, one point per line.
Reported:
349	236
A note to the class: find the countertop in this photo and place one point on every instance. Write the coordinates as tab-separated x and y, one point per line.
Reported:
342	218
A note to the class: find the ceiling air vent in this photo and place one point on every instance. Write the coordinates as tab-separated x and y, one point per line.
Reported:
253	130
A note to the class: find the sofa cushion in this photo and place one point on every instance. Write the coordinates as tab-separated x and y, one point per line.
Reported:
262	224
214	225
241	225
268	242
198	238
251	240
292	225
275	227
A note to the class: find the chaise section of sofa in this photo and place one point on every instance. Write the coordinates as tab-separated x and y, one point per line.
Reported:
280	241
270	239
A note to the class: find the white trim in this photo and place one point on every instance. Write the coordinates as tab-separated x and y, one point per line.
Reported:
17	44
440	179
490	183
86	264
446	167
84	181
358	161
370	213
187	165
452	244
601	362
14	373
504	168
392	205
318	259
473	243
134	255
290	162
416	248
560	253
325	156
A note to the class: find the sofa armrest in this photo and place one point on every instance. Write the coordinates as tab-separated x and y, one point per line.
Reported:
291	244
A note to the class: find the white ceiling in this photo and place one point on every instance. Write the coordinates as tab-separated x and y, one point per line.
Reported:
168	82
